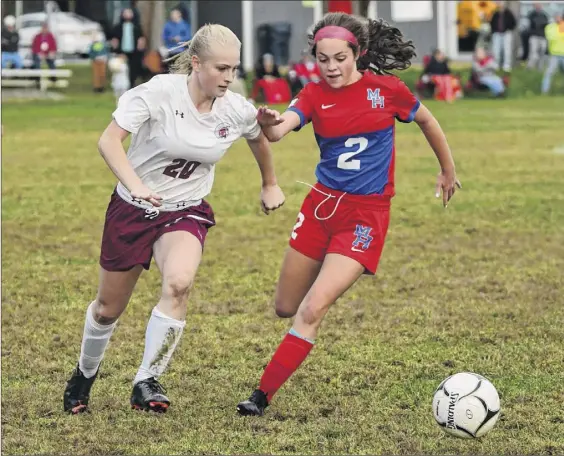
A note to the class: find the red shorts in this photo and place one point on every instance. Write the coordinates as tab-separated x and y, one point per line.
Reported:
357	229
129	232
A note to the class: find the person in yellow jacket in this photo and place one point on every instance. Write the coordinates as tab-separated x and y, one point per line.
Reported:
555	37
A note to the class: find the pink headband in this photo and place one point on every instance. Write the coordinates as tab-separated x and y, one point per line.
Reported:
340	33
334	31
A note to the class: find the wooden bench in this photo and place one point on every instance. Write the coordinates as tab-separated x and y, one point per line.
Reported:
44	78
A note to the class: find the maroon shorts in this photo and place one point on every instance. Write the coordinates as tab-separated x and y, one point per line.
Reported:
356	229
130	232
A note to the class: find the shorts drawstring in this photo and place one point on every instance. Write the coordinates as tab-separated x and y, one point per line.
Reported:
329	196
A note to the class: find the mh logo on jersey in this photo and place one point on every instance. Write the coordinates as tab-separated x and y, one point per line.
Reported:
375	98
363	238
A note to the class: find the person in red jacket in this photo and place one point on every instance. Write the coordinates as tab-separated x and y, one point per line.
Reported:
307	70
44	46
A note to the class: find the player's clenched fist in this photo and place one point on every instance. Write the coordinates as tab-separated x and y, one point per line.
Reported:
271	198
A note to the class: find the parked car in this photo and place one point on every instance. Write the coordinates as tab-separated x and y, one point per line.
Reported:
74	33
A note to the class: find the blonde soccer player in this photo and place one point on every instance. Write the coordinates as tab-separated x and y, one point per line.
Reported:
181	125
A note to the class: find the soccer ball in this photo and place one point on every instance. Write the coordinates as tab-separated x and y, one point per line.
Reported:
466	405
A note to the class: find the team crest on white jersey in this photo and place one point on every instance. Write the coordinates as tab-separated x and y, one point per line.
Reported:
375	98
222	130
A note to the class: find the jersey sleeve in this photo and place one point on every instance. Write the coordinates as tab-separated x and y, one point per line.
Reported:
405	103
138	105
302	105
251	128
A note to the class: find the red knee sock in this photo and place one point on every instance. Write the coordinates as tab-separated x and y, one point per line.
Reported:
287	358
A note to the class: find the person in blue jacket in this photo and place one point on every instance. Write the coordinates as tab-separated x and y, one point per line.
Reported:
176	31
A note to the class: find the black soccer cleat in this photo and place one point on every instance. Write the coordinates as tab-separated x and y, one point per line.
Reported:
149	395
255	405
77	392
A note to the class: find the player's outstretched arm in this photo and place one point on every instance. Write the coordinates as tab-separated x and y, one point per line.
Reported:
111	148
436	138
275	125
272	196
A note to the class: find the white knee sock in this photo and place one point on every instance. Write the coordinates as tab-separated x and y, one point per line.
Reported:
161	338
94	342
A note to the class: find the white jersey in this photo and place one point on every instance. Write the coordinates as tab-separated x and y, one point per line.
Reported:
174	148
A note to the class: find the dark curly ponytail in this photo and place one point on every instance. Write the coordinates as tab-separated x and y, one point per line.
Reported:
382	48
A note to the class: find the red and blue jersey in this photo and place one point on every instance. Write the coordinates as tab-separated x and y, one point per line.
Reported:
354	128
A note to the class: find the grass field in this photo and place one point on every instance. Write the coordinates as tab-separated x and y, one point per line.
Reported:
477	287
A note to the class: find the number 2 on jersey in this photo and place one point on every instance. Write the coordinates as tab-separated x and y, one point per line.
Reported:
343	162
188	167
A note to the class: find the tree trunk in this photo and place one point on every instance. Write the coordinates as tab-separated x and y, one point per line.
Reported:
145	9
157	23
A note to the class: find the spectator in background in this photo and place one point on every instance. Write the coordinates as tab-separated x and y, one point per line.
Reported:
44	47
307	70
10	44
268	81
99	53
503	24
304	72
538	20
438	64
128	39
266	68
555	36
176	31
120	75
184	11
437	80
484	70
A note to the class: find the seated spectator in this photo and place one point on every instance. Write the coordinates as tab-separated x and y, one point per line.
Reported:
10	44
268	82
437	80
438	64
484	73
176	31
44	47
303	72
266	68
99	52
